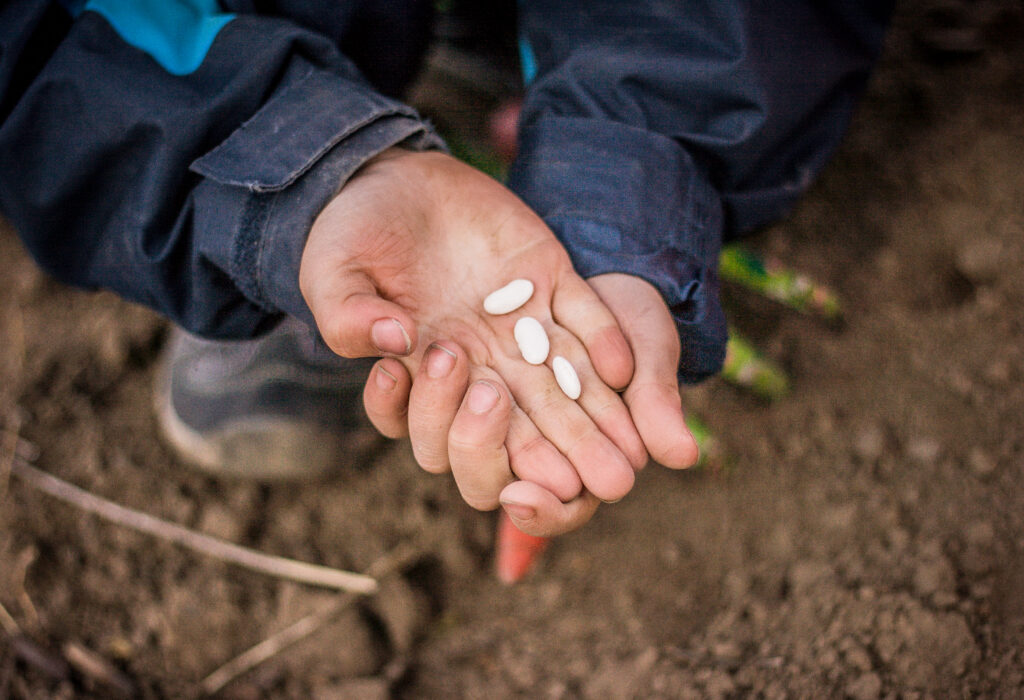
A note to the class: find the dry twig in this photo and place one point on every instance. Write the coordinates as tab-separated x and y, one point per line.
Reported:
9	624
52	665
13	446
40	658
393	561
271	565
98	669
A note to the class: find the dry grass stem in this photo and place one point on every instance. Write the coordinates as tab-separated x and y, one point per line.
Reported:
9	624
279	567
12	443
26	558
389	563
94	666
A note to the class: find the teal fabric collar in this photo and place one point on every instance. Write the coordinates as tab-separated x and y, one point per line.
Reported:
176	33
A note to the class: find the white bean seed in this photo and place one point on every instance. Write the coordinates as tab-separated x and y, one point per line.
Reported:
566	376
509	298
532	340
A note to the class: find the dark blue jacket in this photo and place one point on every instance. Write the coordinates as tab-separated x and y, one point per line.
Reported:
178	151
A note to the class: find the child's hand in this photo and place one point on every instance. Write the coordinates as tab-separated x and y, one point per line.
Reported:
653	393
399	264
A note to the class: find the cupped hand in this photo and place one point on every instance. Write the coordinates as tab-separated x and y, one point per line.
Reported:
398	264
653	393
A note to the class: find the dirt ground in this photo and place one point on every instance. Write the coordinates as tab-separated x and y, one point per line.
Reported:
863	537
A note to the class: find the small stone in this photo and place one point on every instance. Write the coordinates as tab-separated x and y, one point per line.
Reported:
726	651
980	462
866	687
719	685
981	260
219	521
899	539
807	575
934	576
839	517
979	556
924	450
998	372
980	533
869	444
356	689
736	585
981	590
858	658
887	645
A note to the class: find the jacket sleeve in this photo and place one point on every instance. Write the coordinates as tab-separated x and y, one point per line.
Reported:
179	155
653	129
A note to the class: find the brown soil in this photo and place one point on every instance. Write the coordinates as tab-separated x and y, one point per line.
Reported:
862	538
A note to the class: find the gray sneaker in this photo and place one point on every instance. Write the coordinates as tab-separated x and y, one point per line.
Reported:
277	407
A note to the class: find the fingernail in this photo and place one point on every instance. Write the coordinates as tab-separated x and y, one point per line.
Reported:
440	361
482	397
518	511
390	337
385	380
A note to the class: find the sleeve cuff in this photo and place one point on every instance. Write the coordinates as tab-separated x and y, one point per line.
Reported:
627	200
290	216
266	184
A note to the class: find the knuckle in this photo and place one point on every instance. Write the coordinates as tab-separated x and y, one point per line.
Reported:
463	442
337	339
544	401
532	445
430	459
480	501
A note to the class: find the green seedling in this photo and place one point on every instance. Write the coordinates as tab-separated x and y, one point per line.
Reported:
710	450
747	368
779	283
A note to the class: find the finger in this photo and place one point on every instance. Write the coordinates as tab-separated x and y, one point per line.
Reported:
352	318
653	394
538	512
386	398
604	406
576	307
601	466
433	402
534	458
476	444
657	410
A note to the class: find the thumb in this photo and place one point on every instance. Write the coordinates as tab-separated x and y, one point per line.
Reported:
352	317
653	393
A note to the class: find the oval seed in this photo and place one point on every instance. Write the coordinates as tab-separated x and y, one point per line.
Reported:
532	340
565	375
509	298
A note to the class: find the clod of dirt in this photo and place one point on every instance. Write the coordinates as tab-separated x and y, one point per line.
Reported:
866	687
981	462
979	556
869	444
981	260
350	646
924	450
219	521
404	610
935	578
356	689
